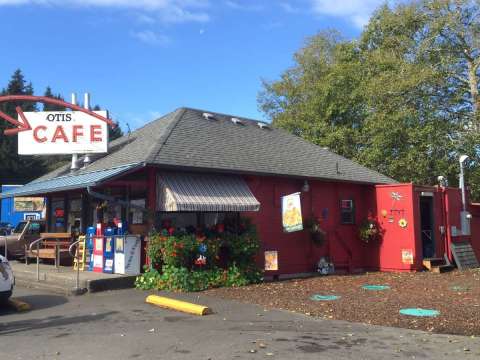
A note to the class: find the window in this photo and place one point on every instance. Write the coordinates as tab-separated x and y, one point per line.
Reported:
35	228
347	212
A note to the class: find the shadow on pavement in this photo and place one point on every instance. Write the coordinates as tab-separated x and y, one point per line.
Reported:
39	302
49	322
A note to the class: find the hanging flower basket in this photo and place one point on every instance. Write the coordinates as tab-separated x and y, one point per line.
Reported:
317	235
370	231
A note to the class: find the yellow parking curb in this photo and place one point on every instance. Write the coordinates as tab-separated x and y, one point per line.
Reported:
178	305
19	305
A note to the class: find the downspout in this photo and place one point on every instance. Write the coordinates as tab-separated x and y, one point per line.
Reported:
447	255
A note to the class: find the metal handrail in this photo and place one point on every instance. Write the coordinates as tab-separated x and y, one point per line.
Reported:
77	280
38	254
72	245
35	242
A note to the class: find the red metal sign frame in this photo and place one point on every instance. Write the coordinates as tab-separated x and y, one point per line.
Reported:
23	124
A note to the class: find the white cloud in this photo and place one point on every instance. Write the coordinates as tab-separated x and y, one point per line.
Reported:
247	5
168	11
289	8
151	38
356	11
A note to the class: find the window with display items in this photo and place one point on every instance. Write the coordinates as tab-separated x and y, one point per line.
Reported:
347	212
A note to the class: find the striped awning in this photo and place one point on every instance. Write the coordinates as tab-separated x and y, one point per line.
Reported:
203	192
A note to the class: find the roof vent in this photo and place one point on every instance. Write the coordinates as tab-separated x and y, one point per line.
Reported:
208	116
262	125
237	121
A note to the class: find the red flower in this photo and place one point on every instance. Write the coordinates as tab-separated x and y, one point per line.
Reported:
171	230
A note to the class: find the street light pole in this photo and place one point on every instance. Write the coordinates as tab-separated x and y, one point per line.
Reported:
462	160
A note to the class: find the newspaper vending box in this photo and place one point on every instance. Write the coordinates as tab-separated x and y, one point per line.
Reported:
127	254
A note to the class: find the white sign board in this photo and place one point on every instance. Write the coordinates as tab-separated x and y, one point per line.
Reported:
63	132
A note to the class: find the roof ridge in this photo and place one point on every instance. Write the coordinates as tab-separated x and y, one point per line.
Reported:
157	146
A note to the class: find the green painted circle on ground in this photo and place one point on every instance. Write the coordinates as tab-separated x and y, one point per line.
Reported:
376	287
420	312
460	288
318	297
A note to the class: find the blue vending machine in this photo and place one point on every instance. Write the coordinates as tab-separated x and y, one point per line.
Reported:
109	251
89	248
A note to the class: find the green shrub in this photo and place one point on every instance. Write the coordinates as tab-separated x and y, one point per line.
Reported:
148	280
173	253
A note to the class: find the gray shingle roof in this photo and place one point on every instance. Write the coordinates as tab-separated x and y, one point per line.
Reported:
186	139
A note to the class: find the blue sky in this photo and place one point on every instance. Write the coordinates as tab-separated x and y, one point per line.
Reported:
143	58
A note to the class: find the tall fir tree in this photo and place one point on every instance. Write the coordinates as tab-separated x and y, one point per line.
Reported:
52	107
16	169
113	133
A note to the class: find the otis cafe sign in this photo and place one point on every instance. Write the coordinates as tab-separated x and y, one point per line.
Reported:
80	131
63	133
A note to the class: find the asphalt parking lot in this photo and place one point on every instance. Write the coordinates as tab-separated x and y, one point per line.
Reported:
120	325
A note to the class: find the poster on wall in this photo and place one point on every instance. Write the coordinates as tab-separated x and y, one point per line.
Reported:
292	213
28	203
137	214
271	260
407	256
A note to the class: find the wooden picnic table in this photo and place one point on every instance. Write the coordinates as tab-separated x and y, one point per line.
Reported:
51	246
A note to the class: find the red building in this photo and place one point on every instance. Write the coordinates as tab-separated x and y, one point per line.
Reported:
195	167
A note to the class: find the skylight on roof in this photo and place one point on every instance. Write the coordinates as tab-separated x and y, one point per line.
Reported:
263	125
237	121
208	116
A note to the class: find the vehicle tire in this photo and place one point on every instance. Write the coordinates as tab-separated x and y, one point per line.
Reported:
4	296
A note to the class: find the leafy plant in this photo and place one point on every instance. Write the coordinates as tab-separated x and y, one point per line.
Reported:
369	231
148	280
173	254
318	236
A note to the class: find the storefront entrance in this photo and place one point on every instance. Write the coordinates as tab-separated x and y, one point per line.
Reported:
427	226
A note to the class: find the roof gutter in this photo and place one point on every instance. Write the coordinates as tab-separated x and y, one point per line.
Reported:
19	193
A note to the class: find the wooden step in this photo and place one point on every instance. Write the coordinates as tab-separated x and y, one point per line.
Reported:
431	263
441	269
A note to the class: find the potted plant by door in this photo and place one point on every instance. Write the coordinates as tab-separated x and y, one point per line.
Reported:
312	225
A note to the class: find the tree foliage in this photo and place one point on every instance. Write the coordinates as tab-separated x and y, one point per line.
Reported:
402	99
15	169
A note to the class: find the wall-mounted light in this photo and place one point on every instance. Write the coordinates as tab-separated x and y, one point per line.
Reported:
305	187
442	181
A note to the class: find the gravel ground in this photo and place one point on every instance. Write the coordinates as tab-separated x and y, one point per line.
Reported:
456	295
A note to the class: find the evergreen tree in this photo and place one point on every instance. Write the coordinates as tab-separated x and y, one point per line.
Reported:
52	107
114	133
15	169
